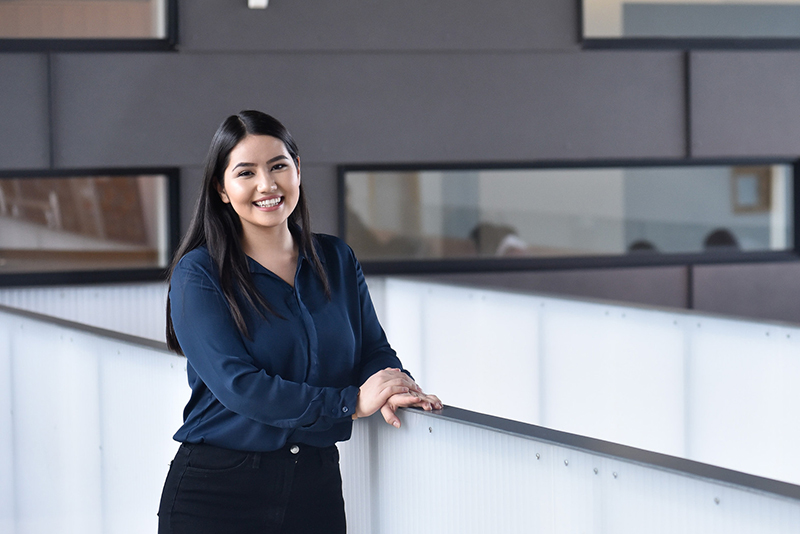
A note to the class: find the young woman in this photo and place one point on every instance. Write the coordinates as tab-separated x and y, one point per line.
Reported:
283	346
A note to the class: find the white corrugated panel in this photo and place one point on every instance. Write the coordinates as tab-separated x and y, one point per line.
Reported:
135	309
356	479
85	429
439	476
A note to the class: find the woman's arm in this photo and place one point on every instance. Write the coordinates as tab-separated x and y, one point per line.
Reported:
376	353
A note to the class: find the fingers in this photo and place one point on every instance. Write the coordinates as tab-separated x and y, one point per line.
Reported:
434	402
405	400
389	389
427	402
380	387
389	416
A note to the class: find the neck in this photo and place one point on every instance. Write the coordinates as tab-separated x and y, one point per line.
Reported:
272	241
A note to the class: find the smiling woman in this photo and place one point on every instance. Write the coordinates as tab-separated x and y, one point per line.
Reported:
283	345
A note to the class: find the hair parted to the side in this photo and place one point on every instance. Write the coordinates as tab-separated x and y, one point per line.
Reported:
217	226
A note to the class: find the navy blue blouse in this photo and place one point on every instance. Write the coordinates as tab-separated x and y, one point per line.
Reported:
296	380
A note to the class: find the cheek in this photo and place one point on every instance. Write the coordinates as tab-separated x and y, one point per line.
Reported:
235	192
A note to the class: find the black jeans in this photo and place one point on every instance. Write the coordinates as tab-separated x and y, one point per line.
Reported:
294	490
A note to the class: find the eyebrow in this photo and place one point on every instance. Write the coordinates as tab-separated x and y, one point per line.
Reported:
247	164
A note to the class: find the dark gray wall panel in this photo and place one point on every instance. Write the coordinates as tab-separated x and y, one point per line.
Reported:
759	290
652	286
24	137
745	103
191	179
320	188
378	25
134	109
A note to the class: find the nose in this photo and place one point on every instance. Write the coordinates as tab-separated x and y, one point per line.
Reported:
267	183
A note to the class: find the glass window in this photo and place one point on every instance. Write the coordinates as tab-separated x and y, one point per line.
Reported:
567	212
691	19
85	223
66	21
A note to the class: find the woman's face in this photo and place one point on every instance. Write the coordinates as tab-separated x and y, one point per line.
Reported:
261	183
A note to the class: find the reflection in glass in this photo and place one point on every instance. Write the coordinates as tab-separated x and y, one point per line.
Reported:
697	19
83	223
83	19
567	212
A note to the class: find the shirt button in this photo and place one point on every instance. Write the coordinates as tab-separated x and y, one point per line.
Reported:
294	449
345	410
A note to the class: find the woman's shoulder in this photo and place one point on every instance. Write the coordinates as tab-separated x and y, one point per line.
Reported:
195	261
331	241
336	255
332	248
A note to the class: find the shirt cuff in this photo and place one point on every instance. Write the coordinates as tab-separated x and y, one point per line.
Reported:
344	401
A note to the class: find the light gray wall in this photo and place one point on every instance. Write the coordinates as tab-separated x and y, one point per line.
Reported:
359	81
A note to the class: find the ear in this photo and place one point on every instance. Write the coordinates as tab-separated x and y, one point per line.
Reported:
222	194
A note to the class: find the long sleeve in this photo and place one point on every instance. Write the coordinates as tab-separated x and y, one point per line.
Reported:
214	348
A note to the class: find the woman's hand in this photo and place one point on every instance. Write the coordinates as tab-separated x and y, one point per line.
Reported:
412	398
380	387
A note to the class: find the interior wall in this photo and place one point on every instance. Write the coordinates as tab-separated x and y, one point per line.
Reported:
359	81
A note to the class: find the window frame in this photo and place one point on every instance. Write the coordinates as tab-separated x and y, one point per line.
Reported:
154	44
96	276
484	265
680	43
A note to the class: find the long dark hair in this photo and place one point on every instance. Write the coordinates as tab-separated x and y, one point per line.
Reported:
217	226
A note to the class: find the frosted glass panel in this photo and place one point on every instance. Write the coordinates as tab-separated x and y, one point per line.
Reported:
85	429
718	391
501	330
743	378
614	373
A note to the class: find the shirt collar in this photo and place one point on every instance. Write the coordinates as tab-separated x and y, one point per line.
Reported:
254	266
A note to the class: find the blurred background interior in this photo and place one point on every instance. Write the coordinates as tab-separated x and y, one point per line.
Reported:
577	163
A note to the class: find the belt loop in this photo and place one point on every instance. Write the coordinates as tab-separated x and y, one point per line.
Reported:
256	460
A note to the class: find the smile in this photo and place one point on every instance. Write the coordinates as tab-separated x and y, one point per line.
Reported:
269	203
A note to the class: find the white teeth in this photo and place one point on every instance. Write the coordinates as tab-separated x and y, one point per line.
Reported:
269	203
